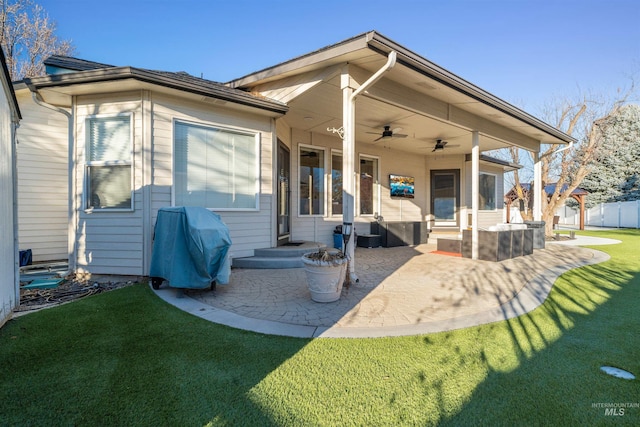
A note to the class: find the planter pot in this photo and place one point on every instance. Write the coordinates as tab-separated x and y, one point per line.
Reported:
325	278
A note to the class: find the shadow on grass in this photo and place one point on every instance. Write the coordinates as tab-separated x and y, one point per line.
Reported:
551	374
126	358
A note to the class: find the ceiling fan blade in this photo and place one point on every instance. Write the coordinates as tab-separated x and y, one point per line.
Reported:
378	139
440	146
399	135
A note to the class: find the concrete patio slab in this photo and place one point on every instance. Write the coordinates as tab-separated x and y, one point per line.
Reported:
401	291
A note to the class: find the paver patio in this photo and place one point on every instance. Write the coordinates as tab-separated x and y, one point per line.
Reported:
401	291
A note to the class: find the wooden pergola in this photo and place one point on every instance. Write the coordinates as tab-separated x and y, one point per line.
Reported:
579	195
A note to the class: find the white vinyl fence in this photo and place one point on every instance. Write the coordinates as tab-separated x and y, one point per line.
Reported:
616	215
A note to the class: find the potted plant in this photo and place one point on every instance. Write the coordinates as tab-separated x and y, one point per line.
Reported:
325	272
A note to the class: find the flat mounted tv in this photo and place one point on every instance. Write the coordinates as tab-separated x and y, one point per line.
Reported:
401	186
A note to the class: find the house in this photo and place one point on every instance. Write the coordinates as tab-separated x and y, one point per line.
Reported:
283	154
9	120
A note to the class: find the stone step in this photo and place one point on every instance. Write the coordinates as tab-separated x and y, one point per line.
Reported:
435	235
287	256
286	251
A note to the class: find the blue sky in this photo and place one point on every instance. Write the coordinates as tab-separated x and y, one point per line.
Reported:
524	51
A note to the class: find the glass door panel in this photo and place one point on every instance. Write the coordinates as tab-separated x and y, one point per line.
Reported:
445	197
283	217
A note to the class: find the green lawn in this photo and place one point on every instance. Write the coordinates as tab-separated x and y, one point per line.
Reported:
128	358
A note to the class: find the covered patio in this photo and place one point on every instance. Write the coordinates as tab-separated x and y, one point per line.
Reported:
368	106
402	291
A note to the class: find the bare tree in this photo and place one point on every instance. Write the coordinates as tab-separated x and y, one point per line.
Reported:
27	36
586	120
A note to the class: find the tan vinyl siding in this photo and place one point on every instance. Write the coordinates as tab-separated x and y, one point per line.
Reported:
42	162
249	230
320	228
487	218
9	297
110	242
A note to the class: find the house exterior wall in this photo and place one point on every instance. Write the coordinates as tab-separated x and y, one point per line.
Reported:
319	228
120	242
42	163
448	162
486	218
9	294
249	230
109	242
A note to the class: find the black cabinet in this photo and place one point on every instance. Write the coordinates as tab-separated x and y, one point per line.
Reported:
401	233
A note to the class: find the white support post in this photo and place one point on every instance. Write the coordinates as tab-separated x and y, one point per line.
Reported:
475	192
348	168
349	171
537	187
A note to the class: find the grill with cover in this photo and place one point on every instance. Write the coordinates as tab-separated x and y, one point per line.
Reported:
190	249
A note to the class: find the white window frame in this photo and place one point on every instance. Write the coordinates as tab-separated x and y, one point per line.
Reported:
330	186
249	132
86	197
325	180
495	191
376	186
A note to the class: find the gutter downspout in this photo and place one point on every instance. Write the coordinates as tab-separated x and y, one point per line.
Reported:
559	150
71	227
16	228
348	168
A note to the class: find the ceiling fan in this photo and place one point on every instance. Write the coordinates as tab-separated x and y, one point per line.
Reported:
440	144
387	133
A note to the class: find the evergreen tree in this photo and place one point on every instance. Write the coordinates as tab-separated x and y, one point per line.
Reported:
616	175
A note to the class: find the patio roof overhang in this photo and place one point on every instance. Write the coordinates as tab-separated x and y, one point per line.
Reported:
488	160
425	100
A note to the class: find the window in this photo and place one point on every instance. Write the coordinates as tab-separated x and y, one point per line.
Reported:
311	195
215	168
336	183
108	167
368	185
487	192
